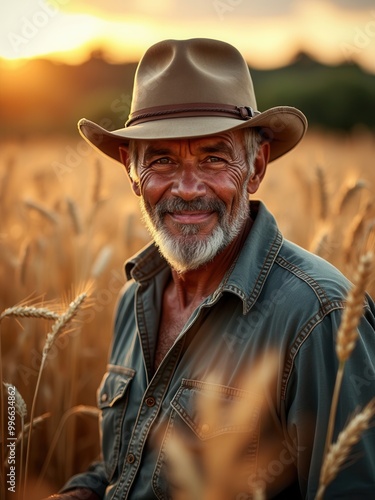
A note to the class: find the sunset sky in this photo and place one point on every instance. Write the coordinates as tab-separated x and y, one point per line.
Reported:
268	33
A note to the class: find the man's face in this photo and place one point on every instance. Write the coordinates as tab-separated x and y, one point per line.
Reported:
194	196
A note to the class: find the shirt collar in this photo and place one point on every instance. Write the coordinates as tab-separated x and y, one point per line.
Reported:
250	270
256	258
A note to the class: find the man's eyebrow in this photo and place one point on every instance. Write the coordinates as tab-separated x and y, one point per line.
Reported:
218	147
152	151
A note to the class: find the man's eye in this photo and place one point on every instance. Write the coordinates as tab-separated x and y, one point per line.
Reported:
214	159
162	161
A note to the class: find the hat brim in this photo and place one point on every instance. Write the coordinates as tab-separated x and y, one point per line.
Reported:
283	126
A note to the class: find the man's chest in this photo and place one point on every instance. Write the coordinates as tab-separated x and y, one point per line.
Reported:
171	325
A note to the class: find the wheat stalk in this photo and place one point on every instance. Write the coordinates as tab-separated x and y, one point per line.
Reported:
49	215
20	405
338	452
74	215
101	261
323	195
98	182
347	194
57	329
24	260
80	409
259	493
347	335
320	244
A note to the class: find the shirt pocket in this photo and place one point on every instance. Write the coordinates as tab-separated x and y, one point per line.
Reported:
112	396
208	420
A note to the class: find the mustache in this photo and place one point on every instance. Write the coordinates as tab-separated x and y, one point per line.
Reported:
199	204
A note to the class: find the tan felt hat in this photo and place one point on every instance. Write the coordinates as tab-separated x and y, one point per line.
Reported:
194	88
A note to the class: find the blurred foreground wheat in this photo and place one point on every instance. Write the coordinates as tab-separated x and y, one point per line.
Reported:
57	231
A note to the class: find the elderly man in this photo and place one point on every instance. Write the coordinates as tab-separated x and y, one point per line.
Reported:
223	361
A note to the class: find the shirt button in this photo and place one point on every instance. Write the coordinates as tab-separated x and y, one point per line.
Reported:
130	458
205	428
150	401
103	398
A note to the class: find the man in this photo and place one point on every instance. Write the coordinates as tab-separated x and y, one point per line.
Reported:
223	361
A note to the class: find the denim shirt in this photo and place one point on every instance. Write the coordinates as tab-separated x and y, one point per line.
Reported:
276	298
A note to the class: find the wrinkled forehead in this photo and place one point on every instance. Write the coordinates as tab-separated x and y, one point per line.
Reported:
225	142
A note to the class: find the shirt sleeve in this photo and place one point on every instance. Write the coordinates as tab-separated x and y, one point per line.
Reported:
308	401
94	479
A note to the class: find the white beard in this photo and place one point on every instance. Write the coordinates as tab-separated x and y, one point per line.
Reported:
190	250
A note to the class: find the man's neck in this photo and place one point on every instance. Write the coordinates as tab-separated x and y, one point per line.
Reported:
192	287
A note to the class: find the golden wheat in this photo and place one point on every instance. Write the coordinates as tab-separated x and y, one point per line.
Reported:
62	322
29	312
339	451
55	254
348	333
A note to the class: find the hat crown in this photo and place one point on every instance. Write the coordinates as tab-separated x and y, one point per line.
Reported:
198	70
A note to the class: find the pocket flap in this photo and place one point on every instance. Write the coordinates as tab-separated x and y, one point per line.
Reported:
212	409
114	385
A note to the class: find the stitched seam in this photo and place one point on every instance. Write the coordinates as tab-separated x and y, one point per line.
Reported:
261	278
314	285
301	338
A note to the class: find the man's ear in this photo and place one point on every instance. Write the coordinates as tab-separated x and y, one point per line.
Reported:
260	167
125	160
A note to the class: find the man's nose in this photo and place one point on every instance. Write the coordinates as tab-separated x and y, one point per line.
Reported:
188	184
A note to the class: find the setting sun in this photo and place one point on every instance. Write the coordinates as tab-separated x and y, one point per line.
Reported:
268	37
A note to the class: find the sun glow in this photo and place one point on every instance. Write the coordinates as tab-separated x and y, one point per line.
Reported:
68	32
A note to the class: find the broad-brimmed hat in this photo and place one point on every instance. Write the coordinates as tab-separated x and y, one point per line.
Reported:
195	88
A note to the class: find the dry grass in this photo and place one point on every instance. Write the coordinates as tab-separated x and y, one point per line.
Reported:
60	228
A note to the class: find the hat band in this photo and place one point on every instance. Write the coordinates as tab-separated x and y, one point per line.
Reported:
190	110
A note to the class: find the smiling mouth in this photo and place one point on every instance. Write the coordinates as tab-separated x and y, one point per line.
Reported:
191	217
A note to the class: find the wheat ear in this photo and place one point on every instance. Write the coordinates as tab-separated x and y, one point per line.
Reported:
21	312
347	334
58	327
29	312
338	452
347	194
355	230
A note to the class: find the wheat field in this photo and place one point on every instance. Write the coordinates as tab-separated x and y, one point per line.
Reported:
68	222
